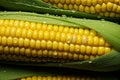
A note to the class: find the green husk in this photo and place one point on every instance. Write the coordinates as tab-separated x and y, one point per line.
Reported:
10	72
109	30
41	7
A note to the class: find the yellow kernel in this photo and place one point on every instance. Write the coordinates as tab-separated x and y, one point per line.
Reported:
83	2
96	41
65	6
106	14
32	43
114	8
92	33
55	45
0	39
75	57
44	27
92	10
24	33
66	47
65	55
98	8
2	31
86	57
55	54
79	39
9	41
34	78
118	9
109	6
1	49
46	35
52	35
81	8
82	49
45	53
28	52
107	50
26	42
21	23
101	42
43	44
1	22
11	22
88	3
68	38
90	40
101	50
55	28
77	48
18	32
4	41
40	34
29	33
86	32
32	25
60	46
13	31
38	26
20	42
35	34
76	7
16	23
62	1
37	44
63	37
104	7
7	31
22	51
66	29
39	53
16	51
61	28
27	25
70	6
11	50
70	56
49	45
60	5
50	27
57	36
88	50
94	2
60	55
84	39
87	10
72	47
94	50
6	50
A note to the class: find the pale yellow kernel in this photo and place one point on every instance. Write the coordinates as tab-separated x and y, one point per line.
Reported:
92	10
83	2
55	54
4	41
88	50
76	7
11	23
60	46
35	34
13	31
21	42
86	57
87	9
84	39
32	43
107	49
63	37
40	34
43	44
55	45
49	45
21	24
16	50
6	22
46	35
72	48
1	22
66	47
109	6
24	33
103	7
77	48
29	33
38	26
57	36
61	28
114	8
94	50
89	3
69	38
1	49
16	23
26	42
22	51
70	7
79	39
98	8
27	25
50	27
44	27
81	8
95	41
74	38
65	6
2	31
101	50
6	50
11	50
65	55
60	5
55	28
52	35
94	2
106	14
45	53
71	30
39	53
32	25
27	52
66	29
18	32
7	31
82	49
118	9
75	57
86	32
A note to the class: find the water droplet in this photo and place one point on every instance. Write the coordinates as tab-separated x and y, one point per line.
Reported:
44	22
64	16
73	11
47	14
90	62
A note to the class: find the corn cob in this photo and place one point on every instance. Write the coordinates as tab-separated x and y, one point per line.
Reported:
93	9
30	37
108	8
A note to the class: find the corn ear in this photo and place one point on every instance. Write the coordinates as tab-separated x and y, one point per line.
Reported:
40	73
42	6
108	30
